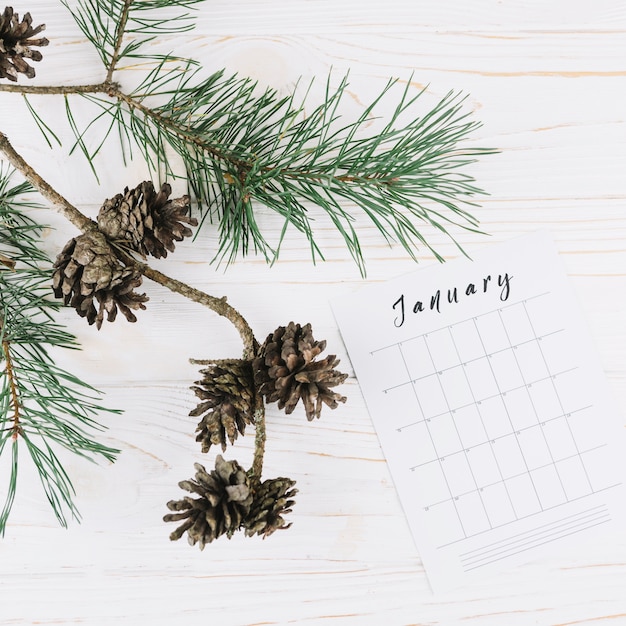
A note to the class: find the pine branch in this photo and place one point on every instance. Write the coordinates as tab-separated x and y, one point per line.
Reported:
41	405
119	29
243	148
270	154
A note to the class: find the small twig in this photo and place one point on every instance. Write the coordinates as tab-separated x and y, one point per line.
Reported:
107	87
15	399
120	31
83	223
259	436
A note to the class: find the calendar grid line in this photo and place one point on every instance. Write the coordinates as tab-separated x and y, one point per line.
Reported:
458	435
543	356
528	516
522	429
462	363
463	556
497	482
604	520
432	442
486	398
530	398
508	415
482	422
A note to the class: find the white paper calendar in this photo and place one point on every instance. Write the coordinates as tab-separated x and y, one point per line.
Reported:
492	411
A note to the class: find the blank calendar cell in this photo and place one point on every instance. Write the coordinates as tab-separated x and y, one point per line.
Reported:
456	387
585	429
497	504
548	485
545	399
467	341
416	443
457	469
506	371
390	367
444	434
404	396
495	417
509	456
415	359
574	478
573	396
430	396
472	513
443	523
559	437
596	466
530	361
470	426
484	466
556	351
523	495
544	315
517	324
441	349
481	379
520	409
534	447
492	333
431	481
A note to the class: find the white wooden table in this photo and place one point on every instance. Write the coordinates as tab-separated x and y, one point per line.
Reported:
548	81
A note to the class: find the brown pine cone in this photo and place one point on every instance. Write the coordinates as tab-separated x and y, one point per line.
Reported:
87	273
271	501
223	505
226	392
15	44
146	221
285	370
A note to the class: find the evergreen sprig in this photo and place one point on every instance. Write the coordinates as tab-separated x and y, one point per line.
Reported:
118	29
243	148
42	406
271	154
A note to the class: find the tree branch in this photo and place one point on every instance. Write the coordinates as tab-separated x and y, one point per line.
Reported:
120	29
107	87
15	400
83	223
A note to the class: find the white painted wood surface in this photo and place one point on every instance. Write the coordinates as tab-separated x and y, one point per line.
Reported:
548	81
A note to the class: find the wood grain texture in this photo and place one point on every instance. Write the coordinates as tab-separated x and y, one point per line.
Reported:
548	82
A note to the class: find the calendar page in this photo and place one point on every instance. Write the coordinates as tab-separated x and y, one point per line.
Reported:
494	416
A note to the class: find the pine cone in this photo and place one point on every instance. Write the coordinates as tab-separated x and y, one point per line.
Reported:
227	394
285	370
224	503
15	42
146	221
271	502
88	270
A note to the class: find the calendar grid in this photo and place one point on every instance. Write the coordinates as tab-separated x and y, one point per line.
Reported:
434	446
510	454
508	415
558	397
521	474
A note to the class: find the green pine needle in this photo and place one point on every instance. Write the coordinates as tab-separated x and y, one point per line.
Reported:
42	406
244	148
